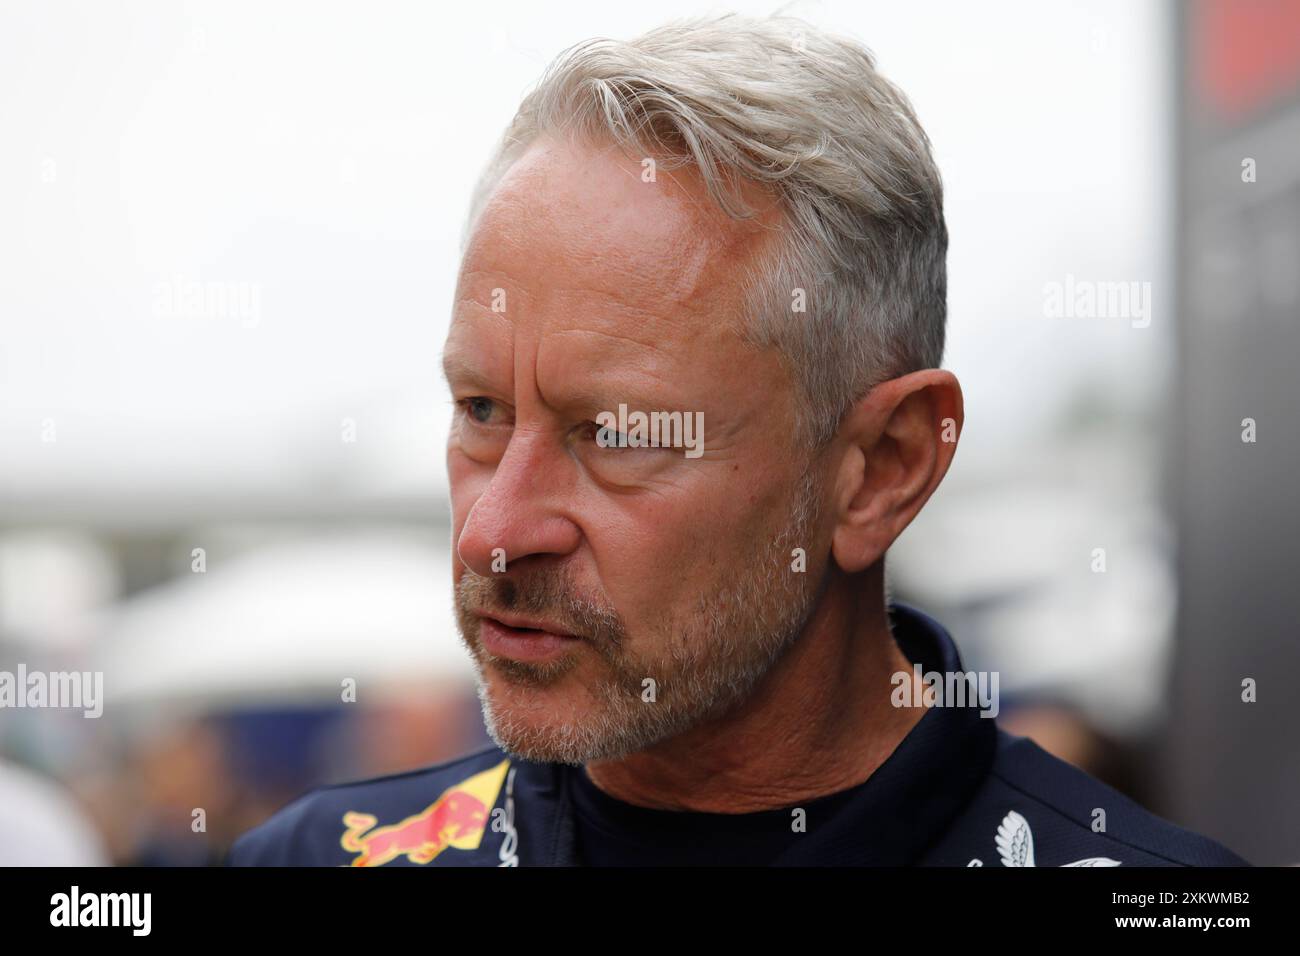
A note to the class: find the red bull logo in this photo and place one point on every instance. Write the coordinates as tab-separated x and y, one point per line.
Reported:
457	818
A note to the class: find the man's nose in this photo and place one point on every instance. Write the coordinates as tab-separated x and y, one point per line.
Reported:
520	513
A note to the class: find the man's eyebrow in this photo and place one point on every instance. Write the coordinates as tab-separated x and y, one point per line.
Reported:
455	368
592	393
595	394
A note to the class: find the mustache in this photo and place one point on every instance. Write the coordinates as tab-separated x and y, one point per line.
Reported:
549	595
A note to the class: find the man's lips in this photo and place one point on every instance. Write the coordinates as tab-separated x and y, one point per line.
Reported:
524	639
527	624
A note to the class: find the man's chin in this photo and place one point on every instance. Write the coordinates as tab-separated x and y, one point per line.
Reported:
535	721
560	723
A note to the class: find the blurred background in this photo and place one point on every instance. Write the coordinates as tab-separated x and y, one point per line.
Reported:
228	242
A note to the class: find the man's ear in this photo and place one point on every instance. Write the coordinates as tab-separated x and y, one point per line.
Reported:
894	446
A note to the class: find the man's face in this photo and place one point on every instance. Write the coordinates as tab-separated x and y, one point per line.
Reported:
668	577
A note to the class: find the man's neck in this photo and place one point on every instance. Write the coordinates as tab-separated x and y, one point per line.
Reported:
821	721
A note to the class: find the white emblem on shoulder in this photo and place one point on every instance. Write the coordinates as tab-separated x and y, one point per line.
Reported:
1015	843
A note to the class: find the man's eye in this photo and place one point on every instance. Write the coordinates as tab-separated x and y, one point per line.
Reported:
478	409
606	437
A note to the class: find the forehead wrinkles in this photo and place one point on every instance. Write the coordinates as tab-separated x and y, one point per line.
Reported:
642	312
565	264
584	216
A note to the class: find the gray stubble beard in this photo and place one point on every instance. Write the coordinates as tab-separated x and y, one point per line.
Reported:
747	627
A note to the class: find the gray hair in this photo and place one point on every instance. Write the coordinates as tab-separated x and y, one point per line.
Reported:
781	103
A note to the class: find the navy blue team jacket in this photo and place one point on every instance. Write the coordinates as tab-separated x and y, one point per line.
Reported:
958	791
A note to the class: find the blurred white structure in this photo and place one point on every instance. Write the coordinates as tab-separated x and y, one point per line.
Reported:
42	826
290	622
